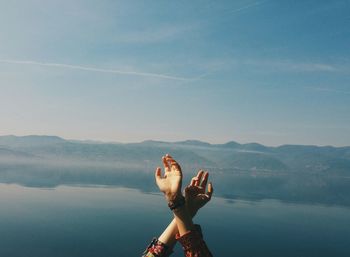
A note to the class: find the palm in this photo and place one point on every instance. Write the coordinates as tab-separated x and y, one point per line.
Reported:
196	196
195	192
170	183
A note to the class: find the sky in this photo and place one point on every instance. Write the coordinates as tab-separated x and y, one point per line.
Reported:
273	72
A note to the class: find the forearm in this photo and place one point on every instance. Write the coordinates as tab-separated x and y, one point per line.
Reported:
168	236
193	243
190	235
190	238
165	243
163	246
183	220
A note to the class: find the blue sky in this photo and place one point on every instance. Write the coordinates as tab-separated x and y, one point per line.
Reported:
272	72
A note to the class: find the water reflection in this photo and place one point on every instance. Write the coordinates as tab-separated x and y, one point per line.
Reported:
104	221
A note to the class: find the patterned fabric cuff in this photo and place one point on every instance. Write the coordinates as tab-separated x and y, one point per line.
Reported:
157	249
192	239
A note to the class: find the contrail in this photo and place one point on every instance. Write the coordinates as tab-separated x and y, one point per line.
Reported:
330	90
85	68
226	14
247	6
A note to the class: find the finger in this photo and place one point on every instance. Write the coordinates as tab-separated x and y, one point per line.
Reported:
177	168
193	181
199	177
210	190
199	172
205	180
158	174
173	163
166	164
171	160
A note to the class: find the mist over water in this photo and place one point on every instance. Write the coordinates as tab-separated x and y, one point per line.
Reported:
113	221
291	173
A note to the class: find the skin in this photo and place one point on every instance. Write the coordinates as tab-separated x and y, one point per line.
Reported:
170	183
195	195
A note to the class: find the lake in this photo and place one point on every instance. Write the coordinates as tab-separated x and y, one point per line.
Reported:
113	221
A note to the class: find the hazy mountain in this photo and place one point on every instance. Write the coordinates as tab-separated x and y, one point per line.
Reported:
15	141
288	172
232	155
8	153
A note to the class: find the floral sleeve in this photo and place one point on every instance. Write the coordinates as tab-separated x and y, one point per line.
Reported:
157	249
193	244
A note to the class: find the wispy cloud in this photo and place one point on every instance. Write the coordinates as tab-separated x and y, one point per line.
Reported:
270	66
247	6
330	90
94	69
293	65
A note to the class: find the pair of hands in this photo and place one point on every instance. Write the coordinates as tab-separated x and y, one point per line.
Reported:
170	184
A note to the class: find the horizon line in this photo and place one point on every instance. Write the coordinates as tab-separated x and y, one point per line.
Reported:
170	142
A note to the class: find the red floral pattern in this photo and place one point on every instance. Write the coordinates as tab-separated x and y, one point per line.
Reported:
157	249
193	244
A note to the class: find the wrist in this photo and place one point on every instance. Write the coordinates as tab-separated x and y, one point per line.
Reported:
192	212
182	213
177	203
183	220
172	196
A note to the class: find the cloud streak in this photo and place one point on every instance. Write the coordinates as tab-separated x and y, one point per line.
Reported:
93	69
247	6
286	65
330	90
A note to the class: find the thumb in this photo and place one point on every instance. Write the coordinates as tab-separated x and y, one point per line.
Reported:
210	190
158	174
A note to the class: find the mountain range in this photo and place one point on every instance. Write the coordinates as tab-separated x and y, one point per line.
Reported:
287	172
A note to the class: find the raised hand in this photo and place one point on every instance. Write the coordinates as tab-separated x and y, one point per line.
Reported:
170	183
184	209
195	193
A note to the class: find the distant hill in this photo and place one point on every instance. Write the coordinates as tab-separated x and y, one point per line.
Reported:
24	141
318	174
251	156
8	153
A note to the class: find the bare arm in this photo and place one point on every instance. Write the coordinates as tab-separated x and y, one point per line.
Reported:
168	235
196	198
170	184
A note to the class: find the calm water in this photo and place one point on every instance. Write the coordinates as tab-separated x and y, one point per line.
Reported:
102	222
